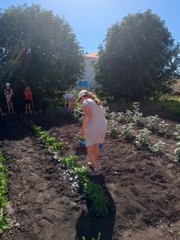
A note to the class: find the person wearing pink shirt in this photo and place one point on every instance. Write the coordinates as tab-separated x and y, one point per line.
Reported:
28	99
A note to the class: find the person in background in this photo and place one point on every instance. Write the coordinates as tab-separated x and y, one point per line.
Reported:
8	92
94	126
69	101
1	111
28	99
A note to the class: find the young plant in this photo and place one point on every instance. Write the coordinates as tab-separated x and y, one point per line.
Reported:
128	116
98	237
119	117
158	148
142	140
157	126
68	162
37	129
177	133
77	115
81	174
128	133
48	140
96	195
79	136
138	116
113	128
57	146
3	190
178	127
153	124
3	222
177	152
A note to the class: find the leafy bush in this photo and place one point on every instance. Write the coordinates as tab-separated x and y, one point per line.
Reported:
158	148
128	133
113	128
157	126
142	140
68	162
96	194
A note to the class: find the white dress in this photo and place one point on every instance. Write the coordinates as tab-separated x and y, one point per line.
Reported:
97	125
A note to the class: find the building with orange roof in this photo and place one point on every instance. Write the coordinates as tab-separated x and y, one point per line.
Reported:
92	55
89	71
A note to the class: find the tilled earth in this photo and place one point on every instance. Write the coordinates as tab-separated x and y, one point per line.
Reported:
143	190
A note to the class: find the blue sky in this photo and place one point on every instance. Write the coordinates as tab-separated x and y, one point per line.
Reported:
90	19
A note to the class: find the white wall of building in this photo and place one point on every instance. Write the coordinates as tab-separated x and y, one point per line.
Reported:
89	71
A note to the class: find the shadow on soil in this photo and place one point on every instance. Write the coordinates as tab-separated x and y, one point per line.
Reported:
89	225
12	128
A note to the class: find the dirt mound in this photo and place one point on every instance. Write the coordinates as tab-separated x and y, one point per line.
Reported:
143	190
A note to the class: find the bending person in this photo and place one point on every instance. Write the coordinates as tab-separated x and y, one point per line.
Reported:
69	101
94	126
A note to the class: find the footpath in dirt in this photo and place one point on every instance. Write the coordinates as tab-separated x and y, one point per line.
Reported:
143	190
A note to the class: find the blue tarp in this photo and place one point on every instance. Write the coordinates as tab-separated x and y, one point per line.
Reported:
83	83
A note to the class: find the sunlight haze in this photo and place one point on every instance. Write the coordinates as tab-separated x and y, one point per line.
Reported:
90	19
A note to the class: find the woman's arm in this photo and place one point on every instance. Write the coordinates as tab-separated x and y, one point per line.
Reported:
87	114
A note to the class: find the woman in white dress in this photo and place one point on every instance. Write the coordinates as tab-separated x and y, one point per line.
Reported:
94	126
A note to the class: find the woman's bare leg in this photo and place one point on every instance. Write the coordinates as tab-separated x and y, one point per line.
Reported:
9	107
12	107
93	153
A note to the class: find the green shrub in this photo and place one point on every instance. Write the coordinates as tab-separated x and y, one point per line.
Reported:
99	200
127	132
142	140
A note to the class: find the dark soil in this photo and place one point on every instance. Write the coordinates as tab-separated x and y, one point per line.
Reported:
143	190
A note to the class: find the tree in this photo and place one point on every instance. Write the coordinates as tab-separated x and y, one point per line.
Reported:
38	49
139	57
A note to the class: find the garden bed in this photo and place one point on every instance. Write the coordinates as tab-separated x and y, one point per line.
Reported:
143	189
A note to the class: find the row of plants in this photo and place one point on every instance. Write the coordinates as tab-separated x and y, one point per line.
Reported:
77	174
93	191
51	142
133	127
3	191
136	118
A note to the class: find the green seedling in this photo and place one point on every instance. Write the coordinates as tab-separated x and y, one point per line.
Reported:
99	200
177	152
158	148
81	174
128	133
68	162
98	237
142	140
3	222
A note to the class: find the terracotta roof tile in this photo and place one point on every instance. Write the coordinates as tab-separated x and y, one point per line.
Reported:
92	55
